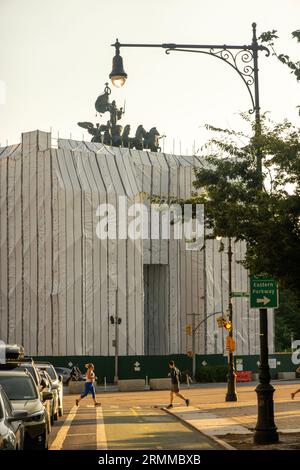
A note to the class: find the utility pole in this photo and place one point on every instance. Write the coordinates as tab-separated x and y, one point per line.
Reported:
116	341
231	378
194	344
193	333
116	321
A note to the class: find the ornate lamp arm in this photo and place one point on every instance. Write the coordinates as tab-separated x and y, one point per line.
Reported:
243	61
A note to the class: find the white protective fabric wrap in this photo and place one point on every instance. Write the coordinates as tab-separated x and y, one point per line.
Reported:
59	283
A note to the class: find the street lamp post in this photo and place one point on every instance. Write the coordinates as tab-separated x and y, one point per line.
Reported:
244	60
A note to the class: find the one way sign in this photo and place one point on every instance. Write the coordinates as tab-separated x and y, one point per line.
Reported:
263	292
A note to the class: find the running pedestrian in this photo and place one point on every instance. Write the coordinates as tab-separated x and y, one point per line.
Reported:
296	391
89	386
175	383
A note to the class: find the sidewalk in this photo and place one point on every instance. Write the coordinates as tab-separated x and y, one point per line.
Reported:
232	423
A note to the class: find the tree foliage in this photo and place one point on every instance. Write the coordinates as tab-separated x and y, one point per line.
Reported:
269	38
268	219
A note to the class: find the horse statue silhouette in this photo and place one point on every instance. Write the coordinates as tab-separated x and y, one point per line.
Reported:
116	135
151	140
140	135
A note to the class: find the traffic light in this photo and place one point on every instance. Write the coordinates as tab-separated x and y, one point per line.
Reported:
221	321
189	329
112	320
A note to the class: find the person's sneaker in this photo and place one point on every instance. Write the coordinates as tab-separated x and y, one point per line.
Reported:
169	406
97	404
77	402
187	402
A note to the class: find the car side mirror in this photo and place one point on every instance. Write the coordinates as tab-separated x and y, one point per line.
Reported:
60	378
47	396
17	416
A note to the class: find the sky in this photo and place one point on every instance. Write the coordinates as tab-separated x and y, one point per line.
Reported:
55	57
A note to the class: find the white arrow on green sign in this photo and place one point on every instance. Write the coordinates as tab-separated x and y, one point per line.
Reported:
263	292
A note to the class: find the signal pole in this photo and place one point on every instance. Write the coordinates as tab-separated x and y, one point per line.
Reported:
193	333
116	321
231	378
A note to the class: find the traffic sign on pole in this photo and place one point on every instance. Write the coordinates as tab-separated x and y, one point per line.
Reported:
240	294
263	292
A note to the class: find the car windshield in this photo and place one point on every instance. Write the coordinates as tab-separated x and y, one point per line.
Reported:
50	369
30	369
18	388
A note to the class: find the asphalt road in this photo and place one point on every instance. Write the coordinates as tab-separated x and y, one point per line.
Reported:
134	420
122	427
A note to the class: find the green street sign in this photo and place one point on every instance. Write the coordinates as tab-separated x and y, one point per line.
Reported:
240	294
263	292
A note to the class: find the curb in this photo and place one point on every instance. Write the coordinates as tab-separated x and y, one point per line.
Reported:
219	441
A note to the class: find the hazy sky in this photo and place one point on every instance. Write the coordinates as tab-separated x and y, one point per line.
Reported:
55	57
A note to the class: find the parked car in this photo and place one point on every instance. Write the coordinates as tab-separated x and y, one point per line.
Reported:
24	395
49	386
25	364
11	424
56	380
65	372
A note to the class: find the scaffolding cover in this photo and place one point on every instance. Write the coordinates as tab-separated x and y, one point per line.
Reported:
60	283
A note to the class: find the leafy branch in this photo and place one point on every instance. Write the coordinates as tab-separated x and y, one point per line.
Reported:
268	37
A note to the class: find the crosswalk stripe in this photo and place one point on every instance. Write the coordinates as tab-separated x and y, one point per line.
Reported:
62	433
101	440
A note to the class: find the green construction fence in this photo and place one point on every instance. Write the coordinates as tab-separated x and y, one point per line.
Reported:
136	367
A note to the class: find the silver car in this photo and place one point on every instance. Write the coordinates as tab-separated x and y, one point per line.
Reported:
49	386
11	425
57	381
24	395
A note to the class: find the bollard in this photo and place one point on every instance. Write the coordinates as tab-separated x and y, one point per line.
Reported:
188	380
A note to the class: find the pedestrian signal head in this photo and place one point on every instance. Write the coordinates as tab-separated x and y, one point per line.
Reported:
230	344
